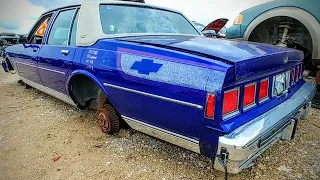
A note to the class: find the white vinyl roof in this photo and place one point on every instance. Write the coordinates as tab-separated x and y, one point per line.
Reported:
89	28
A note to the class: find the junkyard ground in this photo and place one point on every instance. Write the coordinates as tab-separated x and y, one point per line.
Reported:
44	138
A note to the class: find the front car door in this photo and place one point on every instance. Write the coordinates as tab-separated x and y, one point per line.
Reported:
26	60
56	55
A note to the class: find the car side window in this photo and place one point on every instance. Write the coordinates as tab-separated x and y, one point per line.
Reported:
38	31
74	31
59	34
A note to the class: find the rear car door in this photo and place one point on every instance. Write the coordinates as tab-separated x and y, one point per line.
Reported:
56	56
27	53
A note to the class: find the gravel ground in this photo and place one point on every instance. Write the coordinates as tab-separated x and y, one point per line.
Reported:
44	138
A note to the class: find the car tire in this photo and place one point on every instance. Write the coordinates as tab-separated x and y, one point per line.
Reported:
108	119
26	86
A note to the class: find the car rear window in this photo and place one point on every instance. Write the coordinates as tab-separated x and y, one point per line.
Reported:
121	19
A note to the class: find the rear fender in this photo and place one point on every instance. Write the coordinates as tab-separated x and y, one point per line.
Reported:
89	75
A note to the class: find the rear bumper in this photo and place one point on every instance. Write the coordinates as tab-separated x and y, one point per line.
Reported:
248	141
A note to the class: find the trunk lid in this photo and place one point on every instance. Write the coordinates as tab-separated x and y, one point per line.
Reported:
248	58
216	25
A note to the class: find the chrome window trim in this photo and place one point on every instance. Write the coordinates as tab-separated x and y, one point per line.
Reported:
72	24
214	107
267	97
155	96
169	136
70	27
43	68
253	104
235	112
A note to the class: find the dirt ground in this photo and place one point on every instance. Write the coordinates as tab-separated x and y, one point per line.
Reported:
44	138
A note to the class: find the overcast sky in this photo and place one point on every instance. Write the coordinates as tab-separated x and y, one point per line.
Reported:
19	15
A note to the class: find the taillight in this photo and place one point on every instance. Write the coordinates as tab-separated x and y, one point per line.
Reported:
301	70
230	101
249	94
293	75
297	72
210	106
264	88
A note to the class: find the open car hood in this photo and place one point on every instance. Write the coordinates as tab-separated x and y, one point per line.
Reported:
216	25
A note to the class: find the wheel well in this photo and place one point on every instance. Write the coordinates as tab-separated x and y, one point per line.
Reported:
9	65
85	92
269	32
306	18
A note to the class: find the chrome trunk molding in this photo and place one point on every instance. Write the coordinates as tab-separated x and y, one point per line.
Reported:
171	137
49	91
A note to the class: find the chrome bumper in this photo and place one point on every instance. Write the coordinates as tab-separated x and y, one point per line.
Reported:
248	141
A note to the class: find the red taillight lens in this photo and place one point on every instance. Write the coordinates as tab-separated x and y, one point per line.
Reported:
264	88
210	106
297	72
230	101
293	75
249	94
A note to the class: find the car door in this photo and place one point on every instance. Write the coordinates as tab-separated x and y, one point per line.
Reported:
56	56
26	59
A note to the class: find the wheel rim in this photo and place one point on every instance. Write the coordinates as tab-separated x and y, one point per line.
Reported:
104	122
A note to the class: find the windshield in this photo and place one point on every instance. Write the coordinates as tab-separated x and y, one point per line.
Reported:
119	19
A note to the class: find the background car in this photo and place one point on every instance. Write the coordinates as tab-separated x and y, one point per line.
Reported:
286	23
215	29
7	39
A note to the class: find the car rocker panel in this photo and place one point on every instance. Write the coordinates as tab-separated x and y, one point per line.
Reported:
227	100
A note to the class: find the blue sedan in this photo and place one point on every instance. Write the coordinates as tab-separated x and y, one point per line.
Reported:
149	67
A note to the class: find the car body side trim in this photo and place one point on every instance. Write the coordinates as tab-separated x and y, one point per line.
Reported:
154	96
49	91
27	64
51	70
171	137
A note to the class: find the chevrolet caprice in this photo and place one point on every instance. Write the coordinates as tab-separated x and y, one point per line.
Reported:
149	67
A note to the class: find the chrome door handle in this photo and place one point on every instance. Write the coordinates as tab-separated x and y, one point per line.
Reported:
35	49
65	52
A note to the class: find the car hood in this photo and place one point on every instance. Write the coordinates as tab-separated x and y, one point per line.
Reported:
248	58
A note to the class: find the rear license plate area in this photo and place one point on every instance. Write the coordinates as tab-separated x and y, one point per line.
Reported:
280	84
